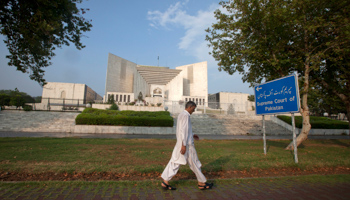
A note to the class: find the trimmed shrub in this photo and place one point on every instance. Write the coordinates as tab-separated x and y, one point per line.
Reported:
92	116
114	107
27	108
316	122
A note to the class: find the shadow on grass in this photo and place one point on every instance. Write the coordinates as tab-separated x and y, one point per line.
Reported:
340	143
217	165
279	144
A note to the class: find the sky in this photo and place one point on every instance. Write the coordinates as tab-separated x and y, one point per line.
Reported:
138	31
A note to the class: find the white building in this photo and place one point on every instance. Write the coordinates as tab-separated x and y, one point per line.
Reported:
230	102
64	95
126	80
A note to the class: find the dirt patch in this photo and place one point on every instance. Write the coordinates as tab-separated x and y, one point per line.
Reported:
102	176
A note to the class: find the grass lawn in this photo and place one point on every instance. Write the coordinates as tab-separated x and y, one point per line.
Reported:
58	155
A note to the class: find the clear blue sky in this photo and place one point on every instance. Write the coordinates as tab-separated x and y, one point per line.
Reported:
139	31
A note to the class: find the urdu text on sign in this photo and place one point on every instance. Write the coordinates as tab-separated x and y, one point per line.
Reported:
277	96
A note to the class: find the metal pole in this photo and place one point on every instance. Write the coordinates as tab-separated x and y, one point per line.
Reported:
294	140
264	134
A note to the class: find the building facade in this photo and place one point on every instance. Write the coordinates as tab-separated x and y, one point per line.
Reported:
71	92
128	80
231	102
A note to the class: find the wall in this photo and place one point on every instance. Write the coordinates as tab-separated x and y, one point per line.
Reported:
140	85
67	91
237	100
174	89
124	107
120	75
91	95
195	80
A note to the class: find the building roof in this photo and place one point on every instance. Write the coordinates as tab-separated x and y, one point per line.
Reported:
157	75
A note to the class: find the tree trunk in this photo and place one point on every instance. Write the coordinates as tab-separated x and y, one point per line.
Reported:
348	114
304	111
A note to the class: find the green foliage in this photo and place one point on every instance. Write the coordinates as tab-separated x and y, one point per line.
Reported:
114	107
33	30
17	100
110	99
14	98
38	99
322	100
140	97
316	122
27	98
27	108
4	99
92	116
251	98
264	40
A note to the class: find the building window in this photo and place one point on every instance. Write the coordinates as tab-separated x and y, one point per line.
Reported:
121	98
124	98
200	101
128	98
116	98
186	99
109	96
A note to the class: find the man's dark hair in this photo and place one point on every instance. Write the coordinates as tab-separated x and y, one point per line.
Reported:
189	104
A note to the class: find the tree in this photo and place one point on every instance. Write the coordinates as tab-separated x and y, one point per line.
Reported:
264	40
251	98
27	98
4	99
33	29
334	76
110	99
16	99
322	100
38	99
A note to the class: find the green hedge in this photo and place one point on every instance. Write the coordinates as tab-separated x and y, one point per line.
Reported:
92	116
316	122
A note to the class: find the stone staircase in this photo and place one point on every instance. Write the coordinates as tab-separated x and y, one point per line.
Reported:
234	125
37	121
202	124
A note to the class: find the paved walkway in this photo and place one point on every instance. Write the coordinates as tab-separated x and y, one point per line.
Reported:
261	189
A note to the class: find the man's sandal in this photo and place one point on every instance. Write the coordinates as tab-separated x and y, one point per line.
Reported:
206	186
168	187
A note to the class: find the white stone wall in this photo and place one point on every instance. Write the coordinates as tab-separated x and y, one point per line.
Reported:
140	85
154	100
120	75
174	89
195	80
55	92
126	107
239	101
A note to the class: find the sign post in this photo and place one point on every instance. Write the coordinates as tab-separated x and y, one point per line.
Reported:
276	97
264	134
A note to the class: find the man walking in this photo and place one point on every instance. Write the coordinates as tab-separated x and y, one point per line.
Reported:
184	151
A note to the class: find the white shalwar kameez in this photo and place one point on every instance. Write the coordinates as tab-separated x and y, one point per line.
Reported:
184	136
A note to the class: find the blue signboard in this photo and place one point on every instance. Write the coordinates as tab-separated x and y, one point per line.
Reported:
278	96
